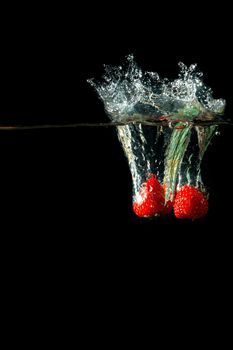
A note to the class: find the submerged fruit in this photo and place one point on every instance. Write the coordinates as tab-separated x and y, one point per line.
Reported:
150	200
190	203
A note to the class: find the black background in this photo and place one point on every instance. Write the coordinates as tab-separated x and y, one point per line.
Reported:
80	176
65	204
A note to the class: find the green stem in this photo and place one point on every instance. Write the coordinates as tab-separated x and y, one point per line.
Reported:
174	155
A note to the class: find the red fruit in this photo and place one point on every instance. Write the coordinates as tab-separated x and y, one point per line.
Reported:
150	200
190	203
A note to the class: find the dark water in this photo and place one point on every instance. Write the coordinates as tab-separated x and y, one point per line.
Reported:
78	180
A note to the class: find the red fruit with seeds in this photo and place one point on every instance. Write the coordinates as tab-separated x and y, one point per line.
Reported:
150	200
190	203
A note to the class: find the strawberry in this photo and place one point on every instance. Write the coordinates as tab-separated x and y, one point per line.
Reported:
190	203
150	200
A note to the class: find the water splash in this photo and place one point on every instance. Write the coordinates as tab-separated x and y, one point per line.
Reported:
130	93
